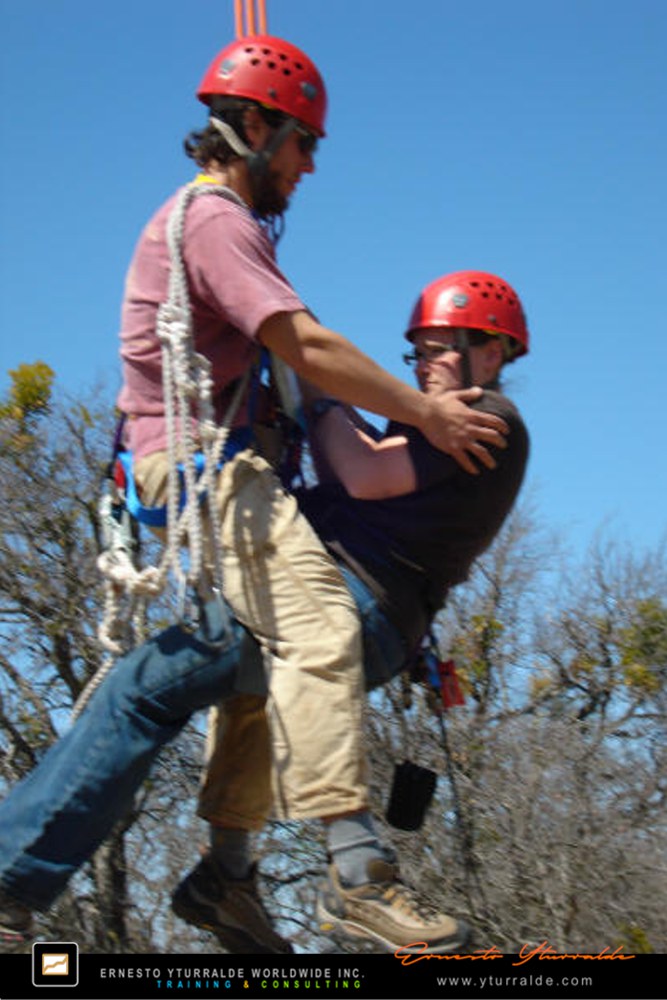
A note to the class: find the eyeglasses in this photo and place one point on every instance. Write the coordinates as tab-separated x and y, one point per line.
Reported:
427	354
431	352
306	140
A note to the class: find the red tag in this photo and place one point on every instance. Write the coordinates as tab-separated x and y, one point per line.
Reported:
449	684
119	476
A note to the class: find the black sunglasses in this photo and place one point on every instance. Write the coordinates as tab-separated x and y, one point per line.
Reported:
306	140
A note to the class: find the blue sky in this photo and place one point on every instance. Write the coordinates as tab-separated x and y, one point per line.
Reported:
523	138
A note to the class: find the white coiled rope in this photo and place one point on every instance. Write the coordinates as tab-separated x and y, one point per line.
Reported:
191	427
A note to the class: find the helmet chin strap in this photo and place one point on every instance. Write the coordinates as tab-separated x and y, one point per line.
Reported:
261	158
258	160
232	137
463	348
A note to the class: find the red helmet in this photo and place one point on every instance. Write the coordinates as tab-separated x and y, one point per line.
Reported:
472	299
269	70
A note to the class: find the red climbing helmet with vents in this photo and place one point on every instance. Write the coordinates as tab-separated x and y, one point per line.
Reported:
269	70
476	300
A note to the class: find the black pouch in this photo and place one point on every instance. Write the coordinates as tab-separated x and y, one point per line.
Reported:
411	792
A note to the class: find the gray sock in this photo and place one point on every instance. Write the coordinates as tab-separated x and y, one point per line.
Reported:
232	850
352	842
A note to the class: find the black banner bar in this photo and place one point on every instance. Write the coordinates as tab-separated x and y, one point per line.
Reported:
533	974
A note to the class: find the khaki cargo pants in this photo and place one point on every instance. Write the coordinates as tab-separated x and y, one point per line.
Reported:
300	755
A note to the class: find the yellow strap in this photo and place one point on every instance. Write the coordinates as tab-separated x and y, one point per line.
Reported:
206	179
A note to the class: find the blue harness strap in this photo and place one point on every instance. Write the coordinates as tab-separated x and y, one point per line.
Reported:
156	517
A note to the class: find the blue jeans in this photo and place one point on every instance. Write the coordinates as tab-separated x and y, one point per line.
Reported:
53	820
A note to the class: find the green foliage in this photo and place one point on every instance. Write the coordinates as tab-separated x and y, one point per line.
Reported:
634	940
30	392
475	651
28	399
644	643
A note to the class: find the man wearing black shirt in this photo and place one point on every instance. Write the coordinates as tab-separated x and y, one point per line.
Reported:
405	523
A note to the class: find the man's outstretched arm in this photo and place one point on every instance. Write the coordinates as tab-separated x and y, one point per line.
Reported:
340	369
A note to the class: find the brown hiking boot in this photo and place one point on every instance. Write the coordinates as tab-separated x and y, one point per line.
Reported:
385	910
231	908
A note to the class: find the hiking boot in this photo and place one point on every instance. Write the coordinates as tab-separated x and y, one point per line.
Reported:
15	920
229	907
385	910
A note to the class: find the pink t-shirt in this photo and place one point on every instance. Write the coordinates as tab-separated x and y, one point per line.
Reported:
234	285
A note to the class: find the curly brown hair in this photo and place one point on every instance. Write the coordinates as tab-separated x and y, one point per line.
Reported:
204	145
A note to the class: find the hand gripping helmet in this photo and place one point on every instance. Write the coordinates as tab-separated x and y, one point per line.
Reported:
476	300
274	73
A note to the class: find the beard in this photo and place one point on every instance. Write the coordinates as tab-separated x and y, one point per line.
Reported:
269	202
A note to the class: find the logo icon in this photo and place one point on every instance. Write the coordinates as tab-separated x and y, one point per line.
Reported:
55	963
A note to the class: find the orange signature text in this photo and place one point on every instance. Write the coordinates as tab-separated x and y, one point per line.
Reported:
415	952
410	956
546	951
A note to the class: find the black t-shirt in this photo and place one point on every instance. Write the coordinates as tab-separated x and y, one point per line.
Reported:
411	549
